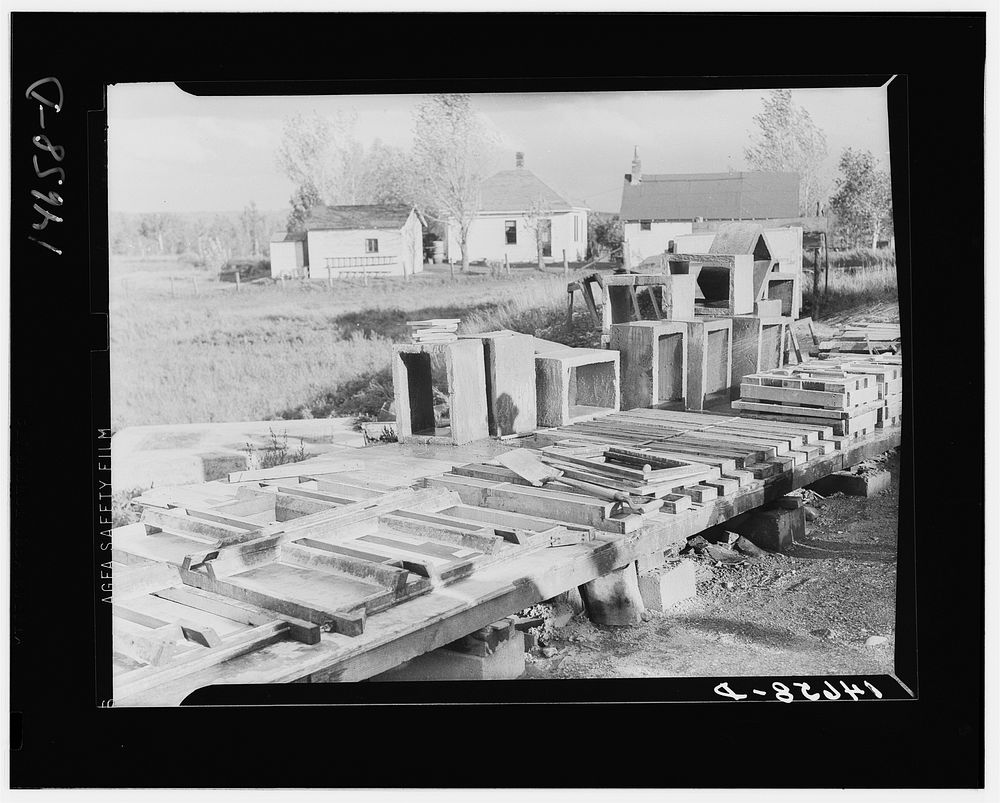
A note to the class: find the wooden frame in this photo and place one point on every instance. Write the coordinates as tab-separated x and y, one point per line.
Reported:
413	386
783	287
653	362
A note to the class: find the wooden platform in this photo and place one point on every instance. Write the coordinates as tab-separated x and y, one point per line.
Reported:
236	584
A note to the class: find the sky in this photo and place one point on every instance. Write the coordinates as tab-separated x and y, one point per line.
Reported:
169	151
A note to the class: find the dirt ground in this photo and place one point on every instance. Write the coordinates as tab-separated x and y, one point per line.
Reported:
808	612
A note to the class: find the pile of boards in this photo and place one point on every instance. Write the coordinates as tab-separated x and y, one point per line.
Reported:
853	396
435	330
864	338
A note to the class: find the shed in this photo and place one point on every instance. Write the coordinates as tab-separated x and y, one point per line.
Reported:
288	254
363	238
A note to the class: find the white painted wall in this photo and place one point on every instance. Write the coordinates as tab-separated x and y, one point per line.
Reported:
405	245
785	246
693	243
287	258
641	244
487	238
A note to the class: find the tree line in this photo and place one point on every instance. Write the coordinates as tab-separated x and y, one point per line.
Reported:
859	196
200	238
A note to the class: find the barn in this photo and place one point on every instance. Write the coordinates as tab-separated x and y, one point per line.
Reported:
385	239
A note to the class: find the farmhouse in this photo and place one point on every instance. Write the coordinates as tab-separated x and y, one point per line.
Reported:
514	205
657	208
374	238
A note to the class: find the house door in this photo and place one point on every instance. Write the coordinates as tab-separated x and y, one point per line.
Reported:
545	234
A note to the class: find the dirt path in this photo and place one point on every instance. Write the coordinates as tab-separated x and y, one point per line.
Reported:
766	617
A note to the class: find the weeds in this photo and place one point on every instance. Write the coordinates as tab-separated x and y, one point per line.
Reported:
276	453
123	508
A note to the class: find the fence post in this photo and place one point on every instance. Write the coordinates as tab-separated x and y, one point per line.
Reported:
364	272
565	264
451	266
237	281
329	278
815	311
506	263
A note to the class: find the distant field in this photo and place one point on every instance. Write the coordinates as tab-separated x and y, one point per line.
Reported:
305	350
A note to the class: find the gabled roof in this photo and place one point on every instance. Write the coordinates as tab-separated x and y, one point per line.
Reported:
740	237
516	190
713	196
364	216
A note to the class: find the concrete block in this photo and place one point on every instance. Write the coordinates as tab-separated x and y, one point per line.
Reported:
571	598
461	366
653	361
506	662
767	308
709	361
510	381
666	586
853	484
773	529
614	598
678	297
576	385
649	562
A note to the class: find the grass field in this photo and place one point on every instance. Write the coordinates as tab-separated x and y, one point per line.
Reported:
309	351
305	350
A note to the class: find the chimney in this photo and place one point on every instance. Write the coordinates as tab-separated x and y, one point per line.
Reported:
519	159
636	175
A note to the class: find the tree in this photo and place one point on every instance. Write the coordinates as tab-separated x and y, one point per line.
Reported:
787	139
316	152
604	233
862	200
305	197
253	224
538	219
454	151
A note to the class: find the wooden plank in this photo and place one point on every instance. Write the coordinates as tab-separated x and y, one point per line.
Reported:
196	598
349	623
309	557
297	469
481	540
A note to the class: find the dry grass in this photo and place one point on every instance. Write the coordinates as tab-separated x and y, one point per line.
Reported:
850	288
301	351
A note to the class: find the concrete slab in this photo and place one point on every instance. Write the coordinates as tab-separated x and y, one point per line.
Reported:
179	454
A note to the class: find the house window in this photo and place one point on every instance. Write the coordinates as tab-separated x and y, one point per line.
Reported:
645	225
371	246
510	231
576	229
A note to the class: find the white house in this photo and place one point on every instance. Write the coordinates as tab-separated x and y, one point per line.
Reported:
376	237
512	204
660	207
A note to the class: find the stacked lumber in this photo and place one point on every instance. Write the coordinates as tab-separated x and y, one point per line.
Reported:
887	370
864	338
435	330
848	402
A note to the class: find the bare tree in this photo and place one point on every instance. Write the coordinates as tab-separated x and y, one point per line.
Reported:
787	139
253	224
454	152
538	220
